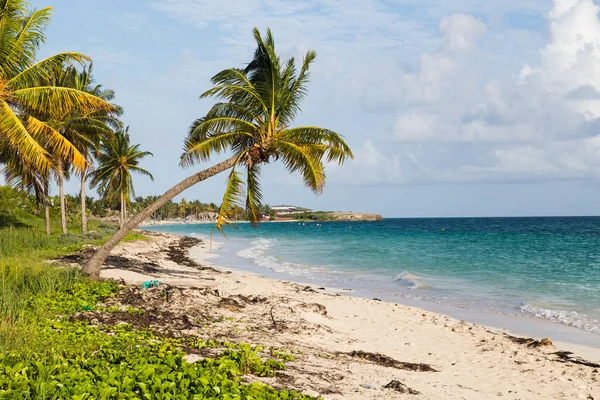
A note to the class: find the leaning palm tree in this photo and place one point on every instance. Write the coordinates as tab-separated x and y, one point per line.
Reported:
27	99
253	121
117	159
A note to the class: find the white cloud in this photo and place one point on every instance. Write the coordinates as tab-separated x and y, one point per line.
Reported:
571	60
538	124
460	31
443	106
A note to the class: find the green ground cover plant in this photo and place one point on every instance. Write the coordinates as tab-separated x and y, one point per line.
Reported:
45	354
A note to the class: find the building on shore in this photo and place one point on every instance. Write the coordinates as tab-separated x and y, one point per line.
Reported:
289	210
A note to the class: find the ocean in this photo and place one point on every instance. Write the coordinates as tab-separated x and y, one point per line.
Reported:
540	267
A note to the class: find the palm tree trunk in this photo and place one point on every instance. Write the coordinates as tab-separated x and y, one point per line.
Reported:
47	210
61	190
94	265
122	210
83	213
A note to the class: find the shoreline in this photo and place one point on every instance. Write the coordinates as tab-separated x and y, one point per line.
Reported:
570	337
175	222
473	361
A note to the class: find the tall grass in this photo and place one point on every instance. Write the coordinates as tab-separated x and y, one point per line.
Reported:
26	273
18	284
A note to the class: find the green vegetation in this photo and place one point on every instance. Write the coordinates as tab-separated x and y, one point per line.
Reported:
323	216
117	159
45	354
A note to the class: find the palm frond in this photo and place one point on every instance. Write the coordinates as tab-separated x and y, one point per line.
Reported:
59	145
231	197
337	148
305	159
45	70
30	37
237	93
196	150
19	139
253	193
297	91
59	101
142	171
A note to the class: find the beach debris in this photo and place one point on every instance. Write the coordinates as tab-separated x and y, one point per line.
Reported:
376	299
150	284
178	253
386	361
530	342
237	302
367	386
400	387
566	357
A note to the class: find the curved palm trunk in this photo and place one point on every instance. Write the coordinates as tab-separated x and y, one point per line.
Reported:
61	190
83	213
94	265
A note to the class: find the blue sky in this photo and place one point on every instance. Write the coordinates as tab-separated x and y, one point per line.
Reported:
453	108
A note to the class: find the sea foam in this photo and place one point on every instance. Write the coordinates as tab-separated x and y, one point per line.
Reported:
569	318
260	253
410	281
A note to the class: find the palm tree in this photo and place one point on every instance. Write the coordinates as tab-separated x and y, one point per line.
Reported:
27	98
183	208
117	159
24	177
84	130
258	105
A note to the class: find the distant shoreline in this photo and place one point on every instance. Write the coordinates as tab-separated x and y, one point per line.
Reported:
199	222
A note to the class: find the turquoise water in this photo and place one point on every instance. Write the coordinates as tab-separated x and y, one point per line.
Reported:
543	267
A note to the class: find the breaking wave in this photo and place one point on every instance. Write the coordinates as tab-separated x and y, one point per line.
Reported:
410	281
260	253
569	318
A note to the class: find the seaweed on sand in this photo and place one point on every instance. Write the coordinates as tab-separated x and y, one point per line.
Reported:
386	361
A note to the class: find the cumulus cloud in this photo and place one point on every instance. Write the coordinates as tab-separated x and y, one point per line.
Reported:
460	31
433	103
539	123
571	60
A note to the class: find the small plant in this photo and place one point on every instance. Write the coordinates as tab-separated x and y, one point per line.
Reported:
135	311
281	355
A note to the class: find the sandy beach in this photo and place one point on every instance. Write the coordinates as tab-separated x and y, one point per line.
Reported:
345	347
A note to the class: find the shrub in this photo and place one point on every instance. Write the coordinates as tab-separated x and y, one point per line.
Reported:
94	235
70	238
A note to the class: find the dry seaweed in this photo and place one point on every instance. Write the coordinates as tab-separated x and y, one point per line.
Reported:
178	253
566	356
386	361
530	342
400	387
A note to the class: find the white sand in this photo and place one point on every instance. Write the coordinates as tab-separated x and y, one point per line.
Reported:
474	362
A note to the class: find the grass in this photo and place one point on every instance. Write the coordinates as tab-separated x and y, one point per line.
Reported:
45	355
25	249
